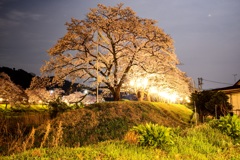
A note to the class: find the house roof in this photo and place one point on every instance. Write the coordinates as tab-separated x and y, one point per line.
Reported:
231	89
237	83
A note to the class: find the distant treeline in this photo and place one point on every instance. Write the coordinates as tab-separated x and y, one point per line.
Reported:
23	79
19	77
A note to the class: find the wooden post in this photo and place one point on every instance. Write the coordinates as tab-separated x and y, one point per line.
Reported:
195	108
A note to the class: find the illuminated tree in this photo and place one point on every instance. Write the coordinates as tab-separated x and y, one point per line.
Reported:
11	92
175	83
109	45
37	91
75	97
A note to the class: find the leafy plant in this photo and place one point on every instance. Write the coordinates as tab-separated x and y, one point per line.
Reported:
153	135
229	125
57	106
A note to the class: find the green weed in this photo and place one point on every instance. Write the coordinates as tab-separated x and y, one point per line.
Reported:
229	125
153	135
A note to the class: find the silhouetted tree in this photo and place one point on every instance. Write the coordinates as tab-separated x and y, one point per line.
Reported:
211	103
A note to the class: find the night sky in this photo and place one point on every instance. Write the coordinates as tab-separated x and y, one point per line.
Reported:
206	32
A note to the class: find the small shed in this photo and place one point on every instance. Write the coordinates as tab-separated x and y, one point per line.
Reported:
233	92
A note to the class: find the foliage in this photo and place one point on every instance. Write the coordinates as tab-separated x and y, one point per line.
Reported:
153	135
211	103
98	122
229	125
10	92
38	95
57	106
108	46
200	142
193	143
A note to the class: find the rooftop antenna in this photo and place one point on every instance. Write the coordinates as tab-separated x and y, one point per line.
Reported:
235	80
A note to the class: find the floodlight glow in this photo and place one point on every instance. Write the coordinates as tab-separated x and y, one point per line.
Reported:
187	99
51	92
145	82
138	83
132	82
85	92
152	90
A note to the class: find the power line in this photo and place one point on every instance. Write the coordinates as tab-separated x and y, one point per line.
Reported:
217	82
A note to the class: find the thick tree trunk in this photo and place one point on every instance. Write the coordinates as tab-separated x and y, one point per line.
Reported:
201	116
116	94
140	95
149	97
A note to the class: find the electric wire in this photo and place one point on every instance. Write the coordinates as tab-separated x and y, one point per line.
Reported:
216	82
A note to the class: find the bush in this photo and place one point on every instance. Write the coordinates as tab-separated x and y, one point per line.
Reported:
229	125
153	135
57	106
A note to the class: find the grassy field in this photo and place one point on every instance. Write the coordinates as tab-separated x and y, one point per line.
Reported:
201	143
23	108
98	132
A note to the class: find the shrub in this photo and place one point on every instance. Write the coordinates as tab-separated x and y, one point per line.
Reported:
153	135
229	125
57	106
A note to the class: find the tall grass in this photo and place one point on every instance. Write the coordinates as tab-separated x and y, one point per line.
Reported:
97	132
201	143
19	141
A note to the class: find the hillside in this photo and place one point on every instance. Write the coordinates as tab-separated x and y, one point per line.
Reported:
107	123
111	120
19	77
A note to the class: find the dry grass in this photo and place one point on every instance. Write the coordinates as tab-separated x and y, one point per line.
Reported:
89	125
112	120
48	127
131	137
19	142
28	143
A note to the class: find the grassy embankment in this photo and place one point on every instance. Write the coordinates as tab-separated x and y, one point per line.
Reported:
97	132
23	108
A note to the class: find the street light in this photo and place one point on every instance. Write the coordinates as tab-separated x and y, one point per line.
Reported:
85	91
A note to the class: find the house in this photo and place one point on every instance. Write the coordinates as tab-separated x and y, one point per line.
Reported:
233	92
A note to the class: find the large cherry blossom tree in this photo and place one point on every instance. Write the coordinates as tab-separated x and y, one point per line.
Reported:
107	47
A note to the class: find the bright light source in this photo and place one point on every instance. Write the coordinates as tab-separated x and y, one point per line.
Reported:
1	99
152	90
168	95
85	91
132	82
138	83
187	99
51	92
144	82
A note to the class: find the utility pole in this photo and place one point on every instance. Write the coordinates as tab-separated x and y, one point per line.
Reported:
97	68
200	83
